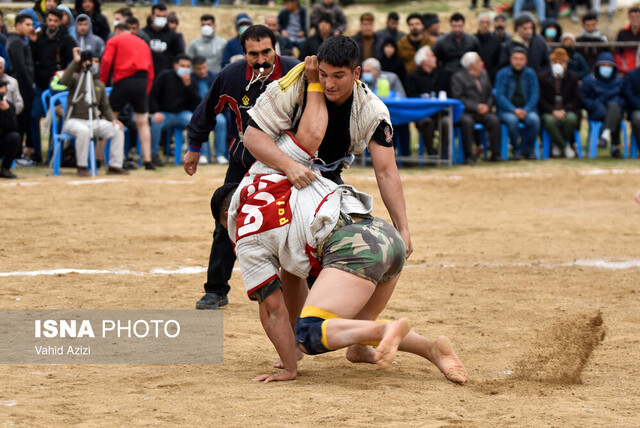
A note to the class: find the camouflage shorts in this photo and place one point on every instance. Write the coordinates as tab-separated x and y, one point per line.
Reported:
371	249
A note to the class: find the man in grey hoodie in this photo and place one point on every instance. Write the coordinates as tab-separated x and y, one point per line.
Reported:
86	39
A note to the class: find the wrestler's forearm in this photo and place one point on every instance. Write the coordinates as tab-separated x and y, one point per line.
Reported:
275	321
313	123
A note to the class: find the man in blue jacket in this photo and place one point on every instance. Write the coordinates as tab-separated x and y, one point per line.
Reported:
517	95
631	93
603	101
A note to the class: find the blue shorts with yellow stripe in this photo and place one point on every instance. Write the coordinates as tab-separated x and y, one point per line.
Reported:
311	330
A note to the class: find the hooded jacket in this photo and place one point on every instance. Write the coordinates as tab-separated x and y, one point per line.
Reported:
98	21
598	92
165	45
72	22
89	41
631	88
550	22
537	51
51	54
41	10
394	64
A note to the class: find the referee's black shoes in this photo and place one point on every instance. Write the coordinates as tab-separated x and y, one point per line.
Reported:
212	301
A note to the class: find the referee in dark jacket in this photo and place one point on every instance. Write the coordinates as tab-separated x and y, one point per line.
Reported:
236	89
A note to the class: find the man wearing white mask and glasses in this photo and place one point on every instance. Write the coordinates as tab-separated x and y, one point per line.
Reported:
164	42
209	45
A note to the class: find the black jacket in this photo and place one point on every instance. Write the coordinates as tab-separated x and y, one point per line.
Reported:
490	47
394	64
310	46
419	82
51	54
537	52
8	120
99	23
165	45
21	62
569	91
168	94
449	51
374	47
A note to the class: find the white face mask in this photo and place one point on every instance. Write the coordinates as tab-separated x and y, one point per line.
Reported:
207	31
160	21
557	70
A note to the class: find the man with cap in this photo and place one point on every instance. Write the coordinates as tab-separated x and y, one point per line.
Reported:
409	44
324	29
517	94
391	30
233	46
534	44
431	23
577	62
560	103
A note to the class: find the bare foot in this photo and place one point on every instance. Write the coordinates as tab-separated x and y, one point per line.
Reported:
393	335
361	354
445	358
278	363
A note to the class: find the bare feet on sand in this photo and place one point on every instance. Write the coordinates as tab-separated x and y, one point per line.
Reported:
393	335
278	363
361	354
445	358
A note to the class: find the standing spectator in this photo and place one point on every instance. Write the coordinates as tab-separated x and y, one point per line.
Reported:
283	45
128	58
489	45
9	135
474	4
517	95
603	101
472	86
174	97
540	6
626	57
292	21
104	125
389	59
13	89
68	20
431	23
85	38
120	15
329	6
134	27
366	37
52	51
163	41
534	44
551	30
239	81
204	78
233	46
40	9
427	79
98	20
323	32
209	45
450	48
173	21
577	64
560	103
591	34
631	93
409	44
3	25
21	61
500	28
391	30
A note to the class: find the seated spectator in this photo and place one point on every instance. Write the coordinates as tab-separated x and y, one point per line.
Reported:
163	41
391	30
366	37
517	95
78	123
13	89
500	28
450	48
85	38
631	93
324	29
474	4
389	59
292	22
489	45
282	43
534	44
472	86
626	57
431	23
372	72
550	30
203	78
603	101
173	99
560	103
173	21
40	9
591	34
233	46
539	5
9	135
577	64
99	22
134	26
409	44
427	79
210	45
68	20
329	6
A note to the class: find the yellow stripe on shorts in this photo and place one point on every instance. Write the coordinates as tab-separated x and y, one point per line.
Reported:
324	335
314	311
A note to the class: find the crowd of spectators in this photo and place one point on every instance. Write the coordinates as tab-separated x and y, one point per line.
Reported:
536	78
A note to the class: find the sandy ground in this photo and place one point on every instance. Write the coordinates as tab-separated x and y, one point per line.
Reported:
505	264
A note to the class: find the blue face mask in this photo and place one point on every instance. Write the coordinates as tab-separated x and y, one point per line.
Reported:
181	71
367	78
605	71
242	29
551	33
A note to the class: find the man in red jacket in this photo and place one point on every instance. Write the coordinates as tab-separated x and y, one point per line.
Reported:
128	58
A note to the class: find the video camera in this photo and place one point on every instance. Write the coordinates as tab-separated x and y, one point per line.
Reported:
86	55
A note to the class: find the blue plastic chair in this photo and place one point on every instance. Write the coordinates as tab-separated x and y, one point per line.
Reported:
546	143
178	139
595	127
45	97
458	149
504	142
634	147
